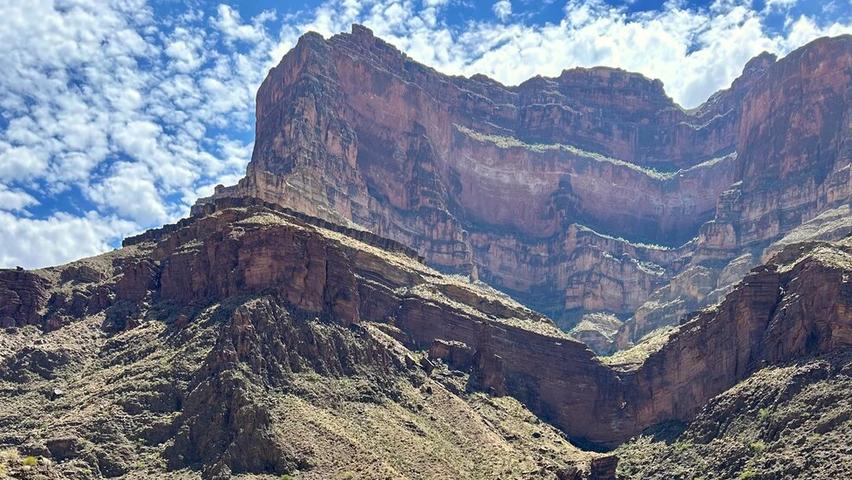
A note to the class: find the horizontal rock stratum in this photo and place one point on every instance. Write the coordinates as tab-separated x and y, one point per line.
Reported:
588	192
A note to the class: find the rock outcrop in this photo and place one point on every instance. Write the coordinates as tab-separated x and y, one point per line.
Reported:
583	193
788	421
260	299
256	340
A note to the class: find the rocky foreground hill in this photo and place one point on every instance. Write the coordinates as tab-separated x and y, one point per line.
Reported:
255	341
591	197
364	304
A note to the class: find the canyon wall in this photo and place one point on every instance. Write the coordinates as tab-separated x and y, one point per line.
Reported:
587	192
799	304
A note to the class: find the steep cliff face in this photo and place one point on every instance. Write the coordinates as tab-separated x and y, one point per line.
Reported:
581	193
796	179
208	341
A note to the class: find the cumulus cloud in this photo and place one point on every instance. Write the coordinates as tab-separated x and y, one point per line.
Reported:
32	243
15	200
502	9
109	104
134	114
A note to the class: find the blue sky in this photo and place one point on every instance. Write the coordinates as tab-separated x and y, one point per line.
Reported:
116	114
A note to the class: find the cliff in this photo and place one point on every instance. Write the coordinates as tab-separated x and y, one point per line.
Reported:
583	193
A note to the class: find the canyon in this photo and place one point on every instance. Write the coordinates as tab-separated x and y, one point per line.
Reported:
429	276
200	342
591	197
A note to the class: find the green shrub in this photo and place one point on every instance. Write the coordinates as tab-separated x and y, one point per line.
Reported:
30	461
763	413
747	474
758	446
681	447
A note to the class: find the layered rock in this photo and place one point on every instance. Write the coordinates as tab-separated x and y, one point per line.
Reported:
255	340
575	194
796	179
287	269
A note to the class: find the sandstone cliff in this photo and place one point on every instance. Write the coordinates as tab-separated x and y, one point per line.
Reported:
583	193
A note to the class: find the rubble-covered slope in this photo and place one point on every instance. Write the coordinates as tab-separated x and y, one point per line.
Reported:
783	422
247	342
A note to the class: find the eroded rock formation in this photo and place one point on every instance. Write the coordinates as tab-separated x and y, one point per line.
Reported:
583	193
279	294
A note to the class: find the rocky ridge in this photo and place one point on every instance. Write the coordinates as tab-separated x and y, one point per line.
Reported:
253	340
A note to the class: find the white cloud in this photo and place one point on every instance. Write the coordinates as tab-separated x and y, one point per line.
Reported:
14	200
139	113
116	104
229	22
129	190
18	163
502	9
60	238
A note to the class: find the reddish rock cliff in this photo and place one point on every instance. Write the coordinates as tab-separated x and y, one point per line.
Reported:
547	190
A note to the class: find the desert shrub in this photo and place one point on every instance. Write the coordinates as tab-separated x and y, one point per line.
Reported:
30	461
747	474
758	446
681	447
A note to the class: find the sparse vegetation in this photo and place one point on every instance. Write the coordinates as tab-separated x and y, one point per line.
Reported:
681	447
763	413
747	474
757	446
30	461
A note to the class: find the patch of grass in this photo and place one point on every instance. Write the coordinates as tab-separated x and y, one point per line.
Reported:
757	446
763	413
287	477
30	461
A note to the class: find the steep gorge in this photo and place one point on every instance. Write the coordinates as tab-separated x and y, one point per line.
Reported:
310	321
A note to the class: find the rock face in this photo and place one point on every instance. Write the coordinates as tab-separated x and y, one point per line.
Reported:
582	193
220	331
295	325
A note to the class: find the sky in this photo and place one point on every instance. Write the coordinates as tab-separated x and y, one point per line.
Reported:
115	115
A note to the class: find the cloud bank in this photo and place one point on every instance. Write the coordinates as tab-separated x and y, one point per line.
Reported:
116	114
